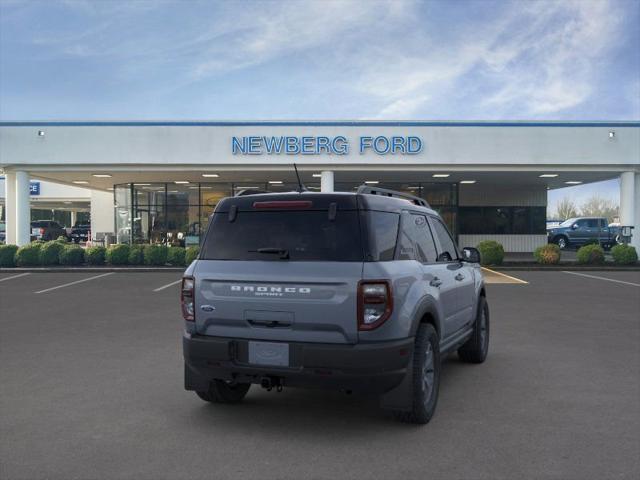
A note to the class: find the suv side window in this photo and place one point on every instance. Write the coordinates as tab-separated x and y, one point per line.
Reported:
593	223
448	250
416	241
581	223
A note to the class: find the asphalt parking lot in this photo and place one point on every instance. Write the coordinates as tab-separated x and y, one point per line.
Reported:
91	388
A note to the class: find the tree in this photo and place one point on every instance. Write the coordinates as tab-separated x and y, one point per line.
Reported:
597	206
565	209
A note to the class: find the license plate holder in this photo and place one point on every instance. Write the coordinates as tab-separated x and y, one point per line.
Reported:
269	353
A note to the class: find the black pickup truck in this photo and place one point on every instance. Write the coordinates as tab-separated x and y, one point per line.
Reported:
580	231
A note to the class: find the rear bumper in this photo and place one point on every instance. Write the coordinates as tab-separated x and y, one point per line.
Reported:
371	367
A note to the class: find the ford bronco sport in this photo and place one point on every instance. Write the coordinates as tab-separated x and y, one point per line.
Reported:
362	291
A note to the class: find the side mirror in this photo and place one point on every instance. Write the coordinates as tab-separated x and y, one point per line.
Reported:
471	255
575	226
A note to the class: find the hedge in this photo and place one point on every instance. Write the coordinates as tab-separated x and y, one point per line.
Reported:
155	255
590	254
8	255
95	255
50	253
547	254
72	255
176	256
29	255
118	254
491	252
624	254
191	254
136	254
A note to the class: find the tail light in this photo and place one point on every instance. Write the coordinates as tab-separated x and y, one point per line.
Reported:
375	303
187	299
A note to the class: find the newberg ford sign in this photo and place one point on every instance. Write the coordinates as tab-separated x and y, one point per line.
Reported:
337	145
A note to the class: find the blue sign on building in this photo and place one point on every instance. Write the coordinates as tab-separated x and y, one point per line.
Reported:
34	188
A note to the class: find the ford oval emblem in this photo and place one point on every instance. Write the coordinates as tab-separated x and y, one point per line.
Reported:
207	308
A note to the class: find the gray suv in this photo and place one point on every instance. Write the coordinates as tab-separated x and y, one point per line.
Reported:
362	292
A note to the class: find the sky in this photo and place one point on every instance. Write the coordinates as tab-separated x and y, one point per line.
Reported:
387	59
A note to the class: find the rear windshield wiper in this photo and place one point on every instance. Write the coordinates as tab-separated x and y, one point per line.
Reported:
284	253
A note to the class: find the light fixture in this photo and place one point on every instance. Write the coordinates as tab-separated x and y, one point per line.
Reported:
141	184
440	175
181	182
573	182
172	191
468	181
317	175
80	182
101	175
371	182
549	175
204	187
66	203
612	134
41	133
194	188
210	175
275	182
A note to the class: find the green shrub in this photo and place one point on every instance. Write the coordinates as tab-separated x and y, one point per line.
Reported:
95	255
491	252
547	254
29	255
592	241
176	256
190	255
136	255
72	255
155	255
118	254
8	255
590	254
624	254
62	239
50	253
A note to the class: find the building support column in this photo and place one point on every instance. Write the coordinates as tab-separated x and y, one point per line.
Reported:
22	208
10	207
630	204
326	181
73	217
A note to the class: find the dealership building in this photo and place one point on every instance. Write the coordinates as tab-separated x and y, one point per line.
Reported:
160	181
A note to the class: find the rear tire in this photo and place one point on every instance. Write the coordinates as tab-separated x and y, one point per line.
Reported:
224	392
426	377
475	349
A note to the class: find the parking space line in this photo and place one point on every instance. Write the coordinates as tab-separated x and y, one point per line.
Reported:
168	285
513	279
74	283
14	276
602	278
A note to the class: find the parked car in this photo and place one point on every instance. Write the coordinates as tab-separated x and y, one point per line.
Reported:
579	231
362	291
47	230
80	232
3	232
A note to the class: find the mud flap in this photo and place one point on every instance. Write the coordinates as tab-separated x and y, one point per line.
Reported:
401	397
193	381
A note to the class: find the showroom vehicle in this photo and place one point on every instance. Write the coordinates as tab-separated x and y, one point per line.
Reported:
362	291
80	232
580	231
47	230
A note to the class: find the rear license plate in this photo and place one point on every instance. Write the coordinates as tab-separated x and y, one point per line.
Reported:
268	353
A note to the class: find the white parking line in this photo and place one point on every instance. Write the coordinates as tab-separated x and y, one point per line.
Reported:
14	276
74	283
603	278
168	285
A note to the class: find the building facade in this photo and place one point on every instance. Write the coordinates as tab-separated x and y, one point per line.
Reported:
160	181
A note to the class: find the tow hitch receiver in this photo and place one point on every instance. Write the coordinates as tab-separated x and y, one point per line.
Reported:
270	383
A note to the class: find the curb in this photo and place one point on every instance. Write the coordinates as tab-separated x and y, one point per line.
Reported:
91	269
568	268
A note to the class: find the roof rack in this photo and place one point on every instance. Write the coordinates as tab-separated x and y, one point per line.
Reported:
392	193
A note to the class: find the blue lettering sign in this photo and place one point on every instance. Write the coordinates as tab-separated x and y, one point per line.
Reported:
34	188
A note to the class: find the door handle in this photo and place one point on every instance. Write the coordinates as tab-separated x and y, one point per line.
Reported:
459	277
436	282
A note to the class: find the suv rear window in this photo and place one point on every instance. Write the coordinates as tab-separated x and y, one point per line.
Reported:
303	235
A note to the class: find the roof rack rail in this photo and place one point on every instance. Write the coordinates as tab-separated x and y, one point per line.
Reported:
249	191
392	193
